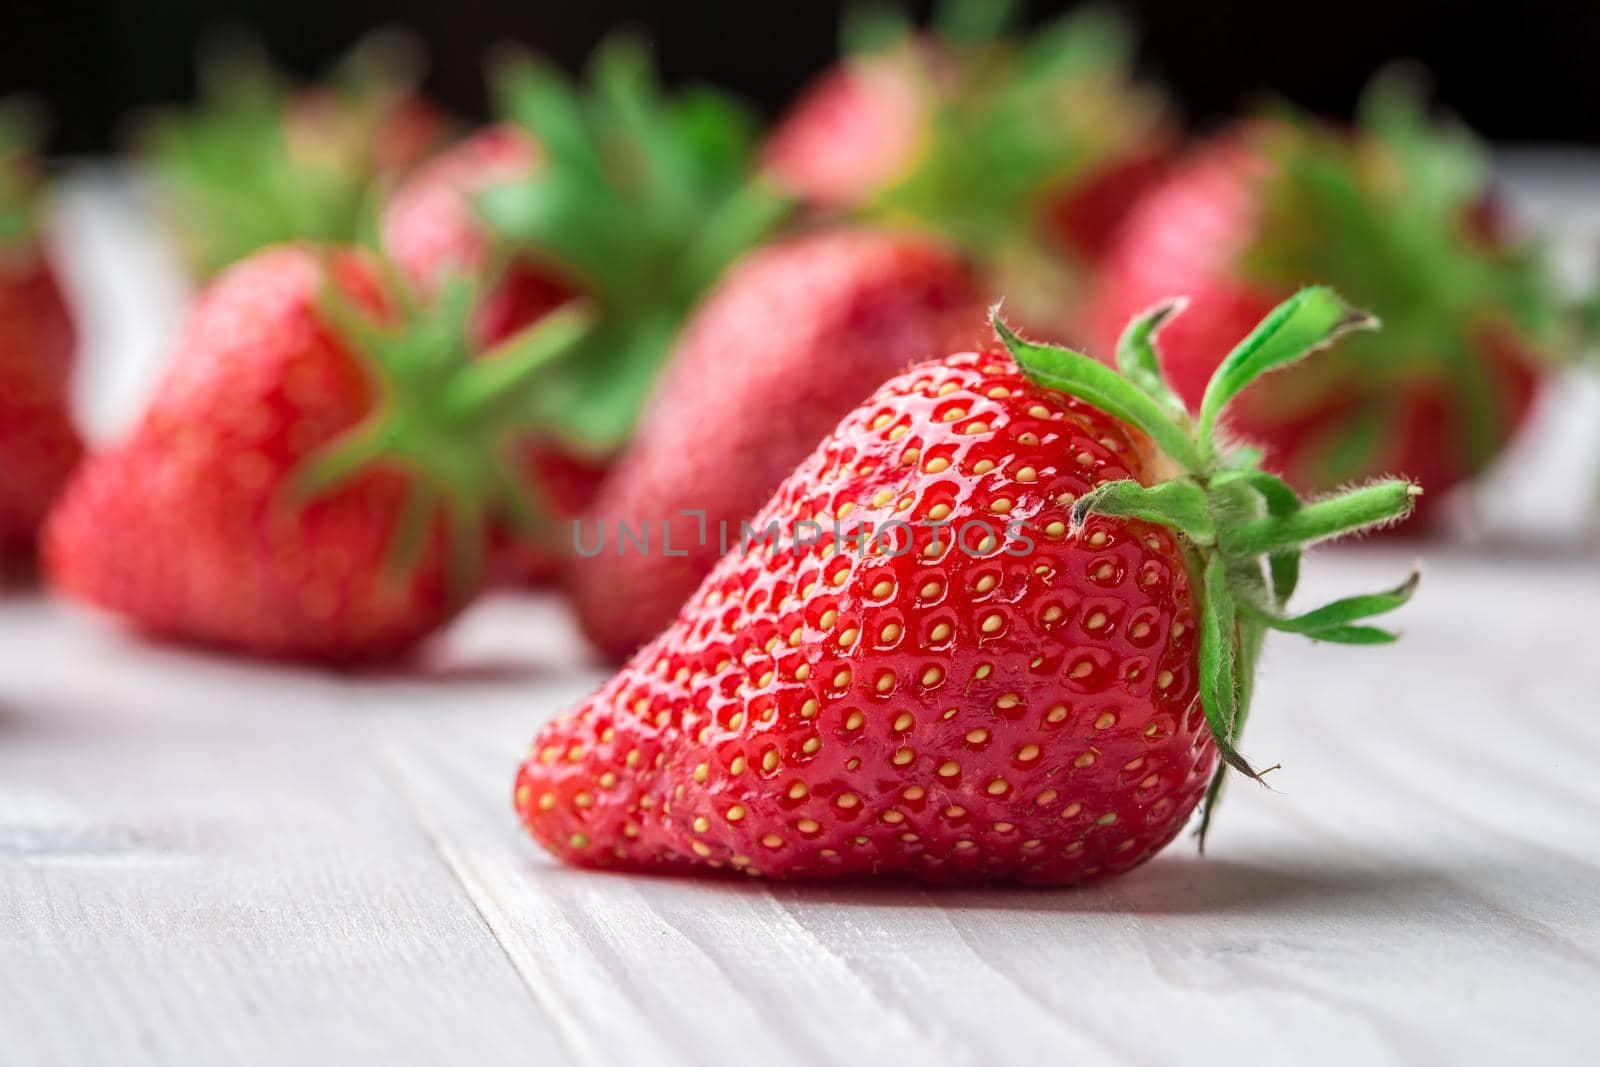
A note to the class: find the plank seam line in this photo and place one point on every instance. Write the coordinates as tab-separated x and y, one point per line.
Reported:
387	772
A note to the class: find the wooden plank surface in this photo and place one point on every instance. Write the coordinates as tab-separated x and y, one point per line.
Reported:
204	860
208	861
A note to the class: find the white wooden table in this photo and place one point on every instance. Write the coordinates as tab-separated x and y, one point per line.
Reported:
210	861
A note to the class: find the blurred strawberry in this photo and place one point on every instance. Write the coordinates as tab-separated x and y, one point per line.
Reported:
795	336
1026	150
318	472
38	443
632	198
258	162
1396	213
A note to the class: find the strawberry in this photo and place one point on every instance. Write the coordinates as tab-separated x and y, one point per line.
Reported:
38	442
633	199
1393	213
793	338
1026	151
317	471
1015	646
259	162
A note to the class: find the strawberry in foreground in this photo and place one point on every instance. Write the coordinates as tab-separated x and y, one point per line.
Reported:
635	199
259	162
38	443
791	341
318	472
1025	150
1038	689
1395	214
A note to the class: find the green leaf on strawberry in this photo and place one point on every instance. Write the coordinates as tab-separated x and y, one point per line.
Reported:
19	177
258	161
643	199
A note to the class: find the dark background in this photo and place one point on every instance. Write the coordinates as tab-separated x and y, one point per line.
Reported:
1523	71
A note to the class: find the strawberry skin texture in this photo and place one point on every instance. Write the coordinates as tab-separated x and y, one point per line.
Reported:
791	340
429	229
38	443
186	528
1189	236
935	716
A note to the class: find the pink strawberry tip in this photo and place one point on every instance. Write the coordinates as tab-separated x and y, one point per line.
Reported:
449	417
19	172
1398	212
1243	529
642	199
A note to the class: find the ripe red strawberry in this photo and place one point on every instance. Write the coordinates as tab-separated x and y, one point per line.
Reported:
316	474
259	162
636	200
1026	151
38	442
1391	213
1037	689
792	339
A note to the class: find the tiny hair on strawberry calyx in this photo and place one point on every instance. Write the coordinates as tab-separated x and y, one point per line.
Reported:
1243	529
448	417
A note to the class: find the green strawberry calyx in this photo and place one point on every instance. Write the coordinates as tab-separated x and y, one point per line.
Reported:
1013	120
19	178
1397	212
448	417
236	175
1243	529
643	199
